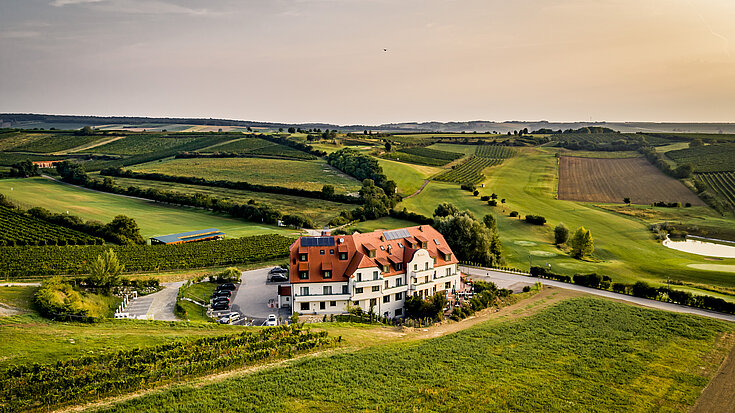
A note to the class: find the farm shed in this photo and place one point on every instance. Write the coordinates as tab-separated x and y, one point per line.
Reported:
191	236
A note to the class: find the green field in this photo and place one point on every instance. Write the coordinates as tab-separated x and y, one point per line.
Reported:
409	178
709	158
32	339
624	247
318	210
153	218
258	147
453	147
581	355
141	144
385	223
311	175
56	143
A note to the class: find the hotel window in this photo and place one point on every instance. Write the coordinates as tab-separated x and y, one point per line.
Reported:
423	244
399	296
321	252
304	290
399	280
415	267
371	253
327	274
399	266
358	290
322	305
447	285
331	252
304	306
449	271
345	289
386	299
303	257
386	268
399	312
426	266
376	288
303	275
332	303
359	277
327	290
386	283
375	275
343	256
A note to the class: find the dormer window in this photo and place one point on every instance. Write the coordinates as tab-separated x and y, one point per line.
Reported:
447	257
423	244
327	274
386	268
303	275
342	256
303	257
399	266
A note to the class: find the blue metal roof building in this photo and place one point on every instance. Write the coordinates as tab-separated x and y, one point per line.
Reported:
191	236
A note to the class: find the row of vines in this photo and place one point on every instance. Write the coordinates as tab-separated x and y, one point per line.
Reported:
34	261
74	381
18	229
723	183
469	172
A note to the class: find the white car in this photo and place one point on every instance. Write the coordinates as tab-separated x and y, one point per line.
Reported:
271	320
229	318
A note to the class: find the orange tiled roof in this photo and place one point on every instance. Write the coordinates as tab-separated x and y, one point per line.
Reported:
387	251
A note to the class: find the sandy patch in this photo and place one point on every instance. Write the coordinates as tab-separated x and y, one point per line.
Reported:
713	267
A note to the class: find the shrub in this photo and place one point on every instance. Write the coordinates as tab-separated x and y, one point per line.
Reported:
526	288
513	213
643	290
561	234
535	219
485	198
619	288
492	202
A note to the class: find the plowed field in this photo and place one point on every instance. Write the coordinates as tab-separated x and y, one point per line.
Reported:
611	180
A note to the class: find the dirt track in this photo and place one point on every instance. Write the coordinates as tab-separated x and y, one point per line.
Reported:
719	395
611	180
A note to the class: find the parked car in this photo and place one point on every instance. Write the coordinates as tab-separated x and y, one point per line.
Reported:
226	287
218	299
277	270
279	278
222	293
271	320
221	305
229	318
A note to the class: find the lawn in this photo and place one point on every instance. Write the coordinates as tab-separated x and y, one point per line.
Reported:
311	175
409	177
385	223
153	218
624	247
454	147
32	339
20	297
318	210
581	355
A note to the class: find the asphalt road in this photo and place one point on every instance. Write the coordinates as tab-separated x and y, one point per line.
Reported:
161	304
253	294
503	277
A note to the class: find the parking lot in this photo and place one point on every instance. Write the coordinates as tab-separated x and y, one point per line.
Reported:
252	297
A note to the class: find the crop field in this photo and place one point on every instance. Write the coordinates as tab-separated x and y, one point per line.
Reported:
708	158
18	229
11	139
454	147
722	183
706	137
624	246
311	175
318	210
24	262
611	180
153	218
256	146
141	144
433	153
580	355
11	158
469	171
56	143
494	151
414	159
409	178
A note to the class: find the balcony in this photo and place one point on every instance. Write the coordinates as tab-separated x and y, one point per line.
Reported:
326	297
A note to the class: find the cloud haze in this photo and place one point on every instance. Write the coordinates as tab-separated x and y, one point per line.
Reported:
323	60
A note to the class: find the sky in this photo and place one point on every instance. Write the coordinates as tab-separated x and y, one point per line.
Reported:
371	61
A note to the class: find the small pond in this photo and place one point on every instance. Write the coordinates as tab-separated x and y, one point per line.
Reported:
703	246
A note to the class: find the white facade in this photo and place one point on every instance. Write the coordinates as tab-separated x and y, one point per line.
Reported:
371	289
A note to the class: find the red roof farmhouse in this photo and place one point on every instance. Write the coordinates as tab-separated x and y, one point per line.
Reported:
375	270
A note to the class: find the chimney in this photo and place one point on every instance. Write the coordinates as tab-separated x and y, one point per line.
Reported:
421	229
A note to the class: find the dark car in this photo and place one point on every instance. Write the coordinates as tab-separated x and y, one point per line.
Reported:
217	299
221	305
277	270
277	278
226	287
222	293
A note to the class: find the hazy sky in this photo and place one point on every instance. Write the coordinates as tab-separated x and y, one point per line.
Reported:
323	60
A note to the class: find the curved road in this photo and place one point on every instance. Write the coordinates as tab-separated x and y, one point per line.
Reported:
504	277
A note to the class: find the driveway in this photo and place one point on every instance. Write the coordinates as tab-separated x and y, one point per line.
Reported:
253	294
161	304
487	274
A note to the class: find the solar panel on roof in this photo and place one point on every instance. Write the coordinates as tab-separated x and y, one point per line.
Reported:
317	241
396	234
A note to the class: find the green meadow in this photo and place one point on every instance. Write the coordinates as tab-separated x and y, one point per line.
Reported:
153	218
581	355
624	247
